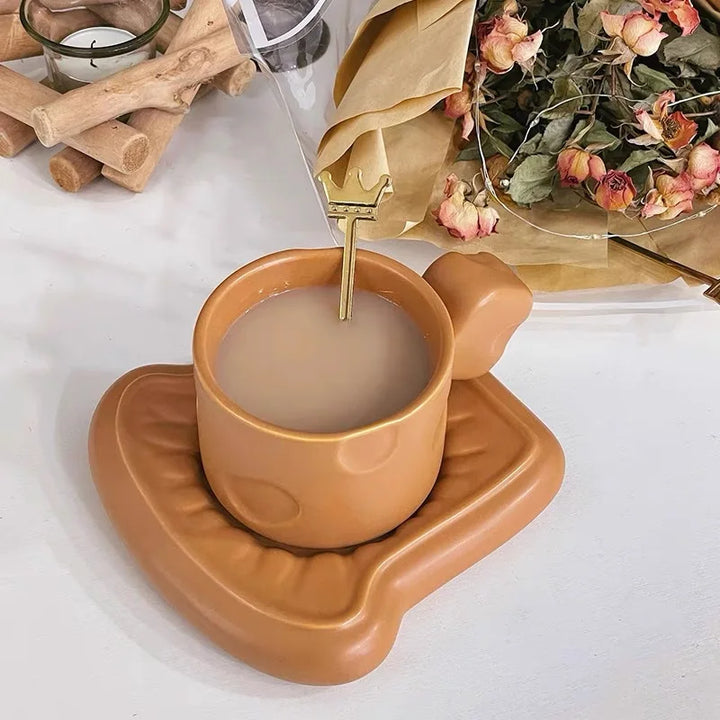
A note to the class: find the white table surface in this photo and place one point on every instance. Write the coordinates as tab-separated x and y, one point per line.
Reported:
607	607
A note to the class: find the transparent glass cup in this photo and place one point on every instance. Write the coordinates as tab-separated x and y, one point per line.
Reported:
85	42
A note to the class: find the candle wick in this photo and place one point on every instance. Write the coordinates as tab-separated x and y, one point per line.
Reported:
92	47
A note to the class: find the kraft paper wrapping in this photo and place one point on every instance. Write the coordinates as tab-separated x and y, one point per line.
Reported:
695	243
406	57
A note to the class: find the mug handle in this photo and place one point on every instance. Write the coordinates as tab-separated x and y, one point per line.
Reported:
486	301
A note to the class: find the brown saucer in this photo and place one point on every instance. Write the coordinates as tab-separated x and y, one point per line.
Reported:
326	617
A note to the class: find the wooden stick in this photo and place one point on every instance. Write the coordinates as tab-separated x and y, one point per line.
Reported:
167	32
159	126
65	4
72	170
9	6
14	136
232	82
15	43
113	143
169	82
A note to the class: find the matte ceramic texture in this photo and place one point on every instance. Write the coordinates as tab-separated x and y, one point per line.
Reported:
311	617
484	320
340	489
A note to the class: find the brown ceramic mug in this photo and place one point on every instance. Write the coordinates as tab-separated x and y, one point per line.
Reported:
338	489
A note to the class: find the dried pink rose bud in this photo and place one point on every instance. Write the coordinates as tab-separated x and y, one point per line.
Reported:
576	165
507	43
615	191
459	105
462	218
681	13
703	166
487	220
670	197
641	33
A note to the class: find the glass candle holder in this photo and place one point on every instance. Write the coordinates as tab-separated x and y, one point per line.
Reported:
86	43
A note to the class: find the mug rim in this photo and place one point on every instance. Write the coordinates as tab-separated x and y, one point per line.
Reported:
205	376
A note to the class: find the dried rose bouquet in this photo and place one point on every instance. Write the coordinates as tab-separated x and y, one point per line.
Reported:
616	101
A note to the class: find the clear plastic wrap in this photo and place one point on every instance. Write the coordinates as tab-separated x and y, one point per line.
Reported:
299	44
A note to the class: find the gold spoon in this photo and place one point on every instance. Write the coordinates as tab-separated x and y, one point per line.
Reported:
352	203
713	291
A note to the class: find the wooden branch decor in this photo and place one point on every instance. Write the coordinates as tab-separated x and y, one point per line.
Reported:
72	170
168	31
168	82
9	6
15	43
232	82
113	143
202	17
200	53
65	4
15	136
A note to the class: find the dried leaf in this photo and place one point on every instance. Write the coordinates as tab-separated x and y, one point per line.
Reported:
491	146
492	7
555	135
531	146
653	80
711	129
533	180
502	123
599	138
572	63
642	177
701	49
566	99
568	22
638	158
469	153
581	129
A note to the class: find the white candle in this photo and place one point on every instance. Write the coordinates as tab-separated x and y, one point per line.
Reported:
86	70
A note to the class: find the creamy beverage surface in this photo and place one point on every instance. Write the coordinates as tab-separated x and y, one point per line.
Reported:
291	362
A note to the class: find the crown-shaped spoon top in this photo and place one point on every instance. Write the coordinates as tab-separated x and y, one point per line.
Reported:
352	203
